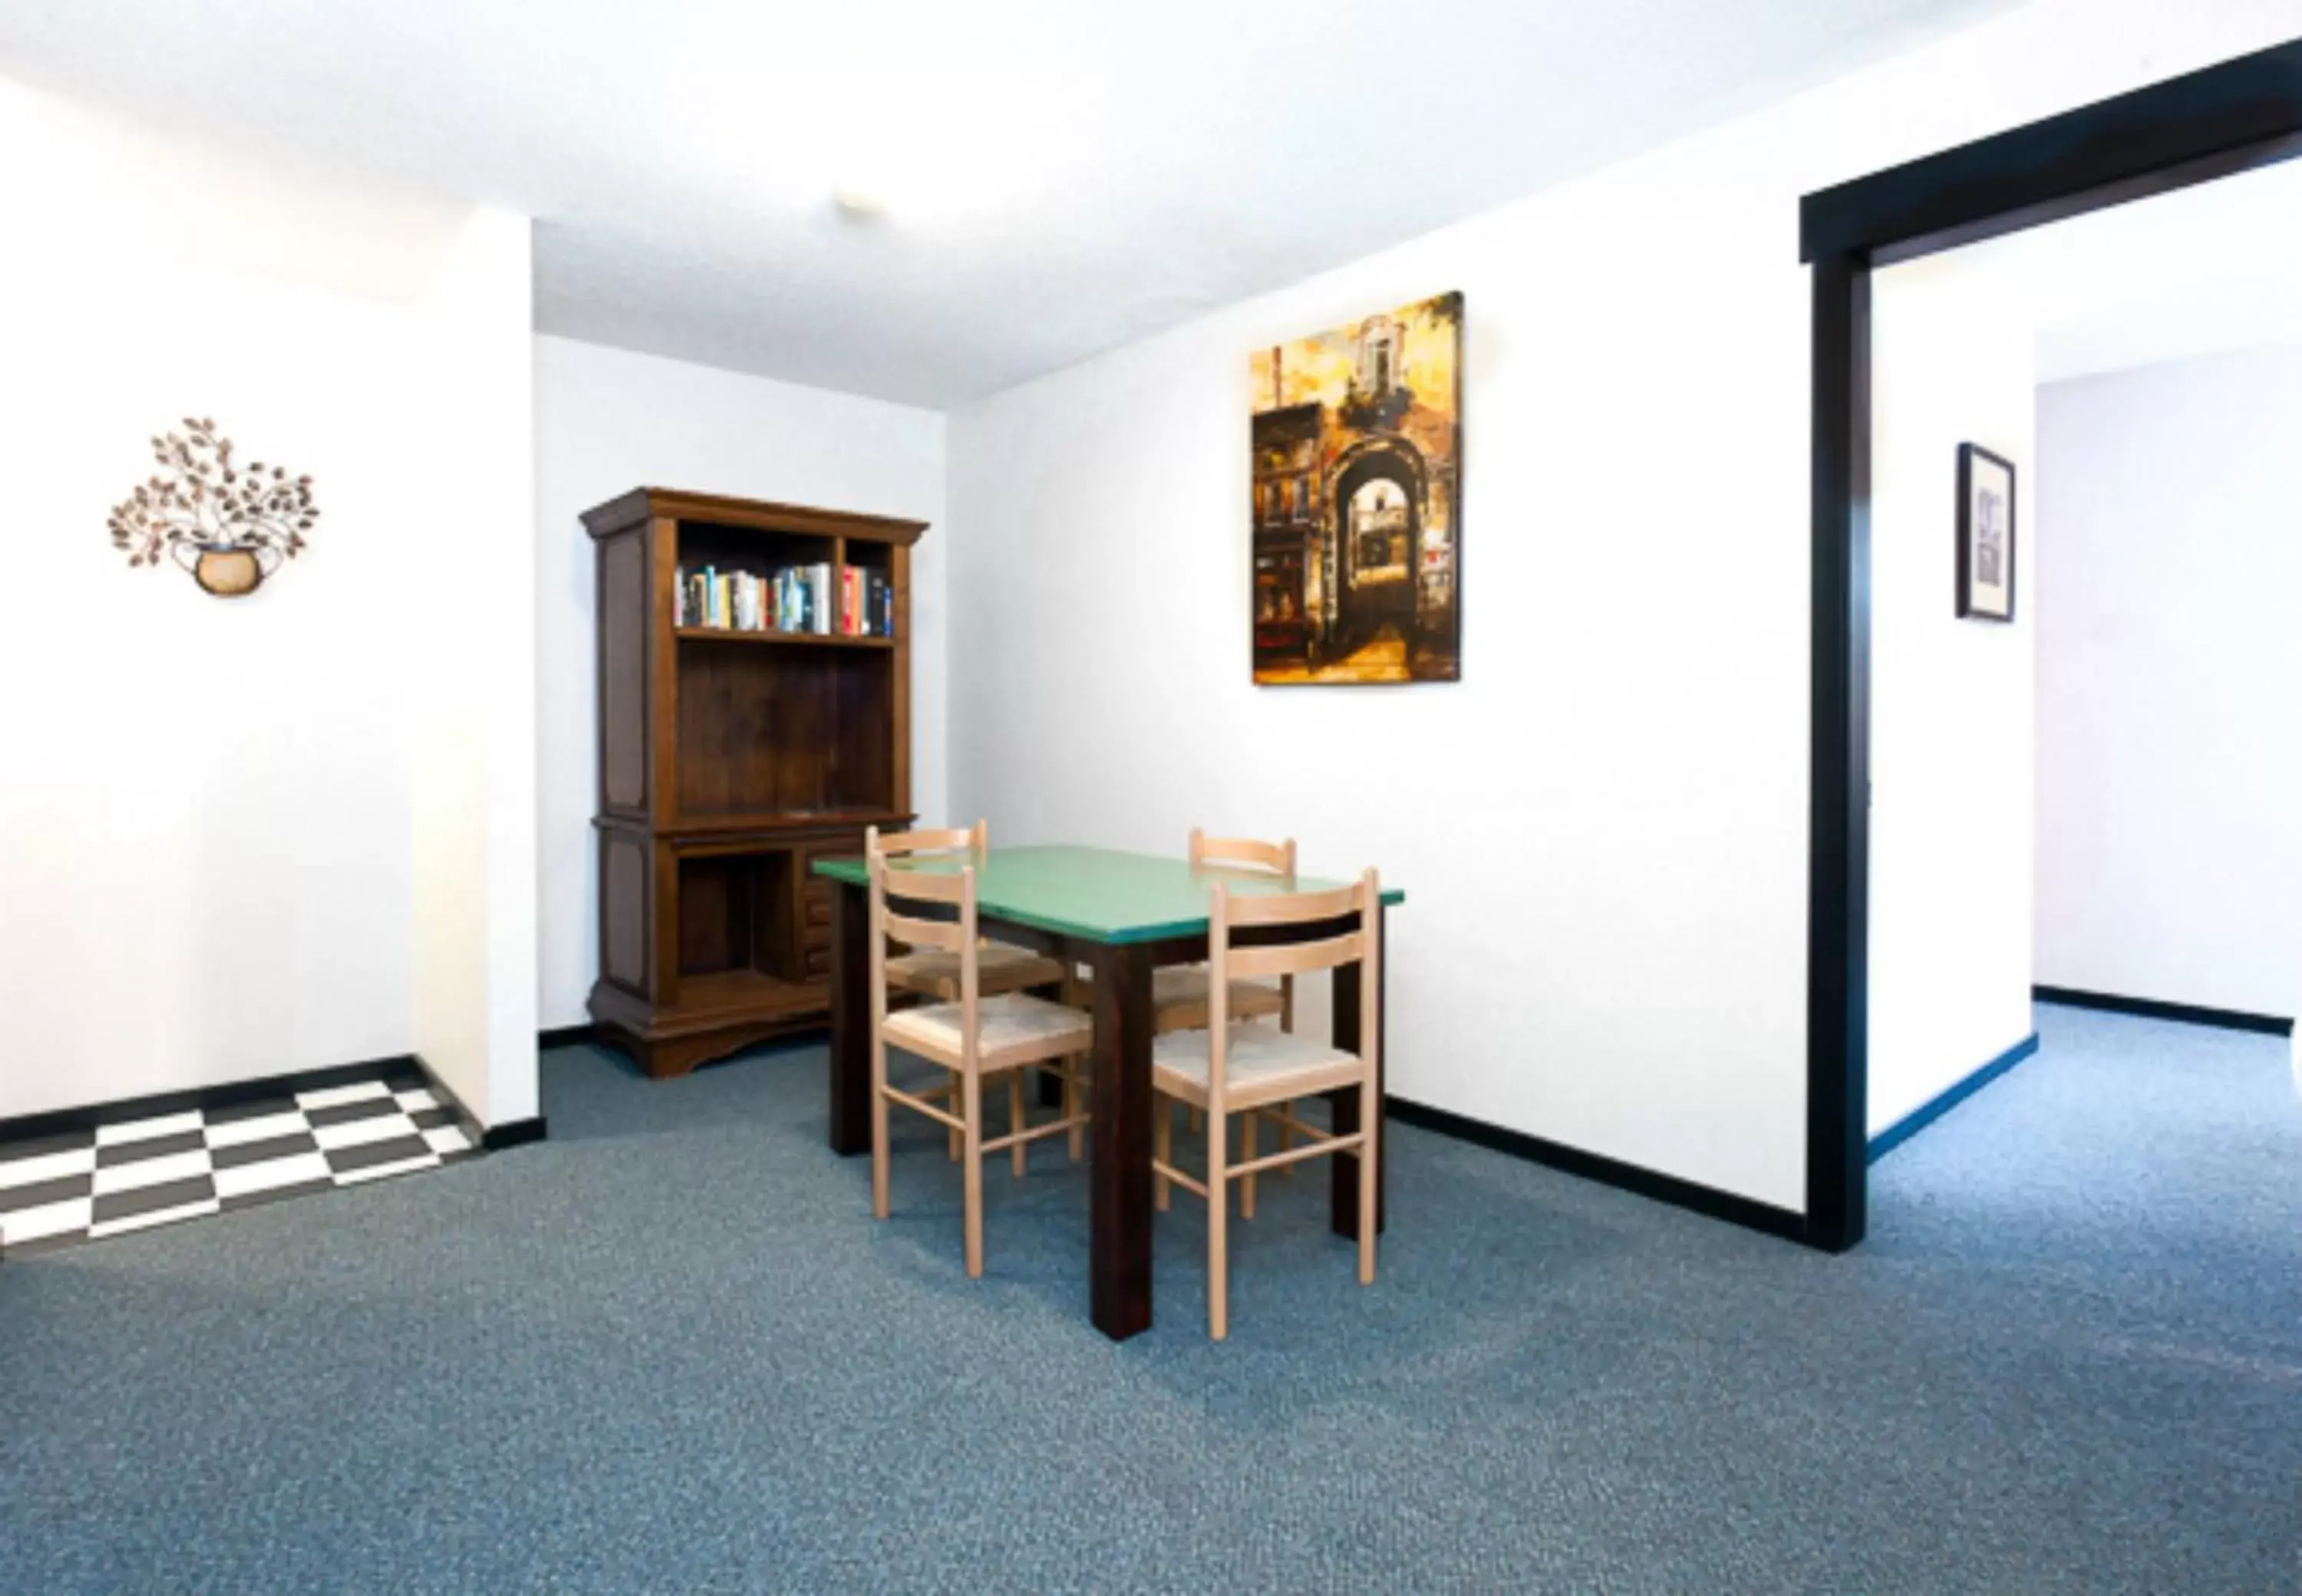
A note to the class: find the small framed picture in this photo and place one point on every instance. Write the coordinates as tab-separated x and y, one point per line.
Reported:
1986	535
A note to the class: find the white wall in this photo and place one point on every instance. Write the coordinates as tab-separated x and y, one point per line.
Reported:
1602	829
475	784
2170	751
608	420
208	808
1950	701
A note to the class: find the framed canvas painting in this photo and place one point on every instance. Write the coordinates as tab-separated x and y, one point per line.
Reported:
1357	436
1986	535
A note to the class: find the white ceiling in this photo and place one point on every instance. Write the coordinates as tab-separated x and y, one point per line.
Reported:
1065	175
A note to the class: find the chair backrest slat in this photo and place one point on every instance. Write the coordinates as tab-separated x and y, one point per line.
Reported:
942	934
1293	908
925	887
1276	857
1297	958
973	838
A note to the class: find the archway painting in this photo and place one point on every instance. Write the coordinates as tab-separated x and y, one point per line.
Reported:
1357	495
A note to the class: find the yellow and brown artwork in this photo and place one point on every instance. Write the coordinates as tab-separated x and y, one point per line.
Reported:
1358	516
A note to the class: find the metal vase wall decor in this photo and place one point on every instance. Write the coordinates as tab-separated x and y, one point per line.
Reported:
230	525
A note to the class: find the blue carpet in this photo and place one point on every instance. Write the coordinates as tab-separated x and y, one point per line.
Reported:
668	1350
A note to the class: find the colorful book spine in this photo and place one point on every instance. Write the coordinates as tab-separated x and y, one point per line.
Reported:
821	600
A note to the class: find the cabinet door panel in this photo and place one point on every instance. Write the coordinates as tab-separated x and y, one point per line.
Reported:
626	910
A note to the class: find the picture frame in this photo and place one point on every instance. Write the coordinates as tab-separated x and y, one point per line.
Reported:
1357	441
1986	535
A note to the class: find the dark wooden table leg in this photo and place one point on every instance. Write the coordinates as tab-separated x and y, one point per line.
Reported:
1343	1199
851	1020
1051	1085
1120	1211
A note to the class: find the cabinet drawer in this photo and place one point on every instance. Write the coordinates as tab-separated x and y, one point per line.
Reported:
818	912
818	961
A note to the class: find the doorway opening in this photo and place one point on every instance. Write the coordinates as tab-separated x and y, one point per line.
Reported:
2226	118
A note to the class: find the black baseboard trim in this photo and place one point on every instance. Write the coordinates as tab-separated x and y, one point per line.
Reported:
513	1133
1707	1200
1925	1114
448	1094
2269	1025
567	1035
62	1121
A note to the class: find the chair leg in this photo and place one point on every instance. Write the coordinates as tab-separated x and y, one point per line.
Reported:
1218	1242
1071	1108
1287	1023
1370	1110
1163	1148
971	1090
1195	1119
878	1125
1016	1154
1246	1155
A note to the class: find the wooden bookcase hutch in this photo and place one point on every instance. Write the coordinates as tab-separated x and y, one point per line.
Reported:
728	761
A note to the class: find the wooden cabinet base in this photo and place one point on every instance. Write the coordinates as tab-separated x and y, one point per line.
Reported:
673	1044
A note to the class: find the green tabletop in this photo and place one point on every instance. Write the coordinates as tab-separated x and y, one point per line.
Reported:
1099	894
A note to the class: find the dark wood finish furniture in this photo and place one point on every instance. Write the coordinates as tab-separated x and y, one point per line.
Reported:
1122	952
729	761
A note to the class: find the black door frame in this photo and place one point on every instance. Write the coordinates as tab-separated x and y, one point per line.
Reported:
2225	118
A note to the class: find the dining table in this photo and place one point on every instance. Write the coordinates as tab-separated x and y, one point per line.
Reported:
1121	915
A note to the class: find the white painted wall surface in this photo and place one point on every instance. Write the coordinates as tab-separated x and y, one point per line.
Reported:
475	816
2170	747
1951	700
1602	829
208	808
608	420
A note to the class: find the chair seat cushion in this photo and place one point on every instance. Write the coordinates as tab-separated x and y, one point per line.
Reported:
1185	986
998	967
1256	1058
1015	1023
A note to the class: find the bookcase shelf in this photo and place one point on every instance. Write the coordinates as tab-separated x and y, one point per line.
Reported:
815	640
703	828
724	772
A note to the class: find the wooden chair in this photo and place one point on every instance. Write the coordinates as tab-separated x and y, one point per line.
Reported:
1228	1068
933	975
973	1038
936	975
1179	992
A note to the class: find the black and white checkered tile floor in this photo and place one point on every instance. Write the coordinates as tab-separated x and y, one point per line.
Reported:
85	1185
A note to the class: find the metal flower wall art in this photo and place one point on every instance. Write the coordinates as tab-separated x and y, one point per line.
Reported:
230	525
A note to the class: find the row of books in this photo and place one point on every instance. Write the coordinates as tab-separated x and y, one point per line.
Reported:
824	599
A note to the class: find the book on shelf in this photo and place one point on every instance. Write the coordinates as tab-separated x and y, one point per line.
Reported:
814	600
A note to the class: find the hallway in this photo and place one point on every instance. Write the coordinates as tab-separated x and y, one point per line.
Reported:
2137	1186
